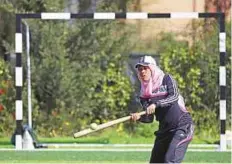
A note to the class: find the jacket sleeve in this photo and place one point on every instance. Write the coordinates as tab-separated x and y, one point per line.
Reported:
147	118
173	93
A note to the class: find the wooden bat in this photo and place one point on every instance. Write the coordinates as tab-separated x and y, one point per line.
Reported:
104	125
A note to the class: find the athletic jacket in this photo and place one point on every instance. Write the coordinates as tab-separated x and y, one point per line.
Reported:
168	112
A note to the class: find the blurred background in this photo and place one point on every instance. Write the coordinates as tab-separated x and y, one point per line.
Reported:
82	71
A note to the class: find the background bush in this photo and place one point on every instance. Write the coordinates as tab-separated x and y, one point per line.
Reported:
80	73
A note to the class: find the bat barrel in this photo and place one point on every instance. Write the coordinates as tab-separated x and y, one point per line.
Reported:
103	126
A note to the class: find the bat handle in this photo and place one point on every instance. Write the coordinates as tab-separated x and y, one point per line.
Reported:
142	113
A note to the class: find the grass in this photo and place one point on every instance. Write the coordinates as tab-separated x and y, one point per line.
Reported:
144	135
116	139
103	157
5	142
109	137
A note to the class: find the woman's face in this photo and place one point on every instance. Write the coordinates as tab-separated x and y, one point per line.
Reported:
144	72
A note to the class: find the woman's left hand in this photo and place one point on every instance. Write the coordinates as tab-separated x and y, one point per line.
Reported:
151	109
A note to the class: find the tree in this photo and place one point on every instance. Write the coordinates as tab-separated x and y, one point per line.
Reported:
78	73
195	68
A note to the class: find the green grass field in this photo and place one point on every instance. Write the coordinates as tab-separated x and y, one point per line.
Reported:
60	155
63	156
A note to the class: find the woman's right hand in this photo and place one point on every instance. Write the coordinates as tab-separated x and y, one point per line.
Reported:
135	116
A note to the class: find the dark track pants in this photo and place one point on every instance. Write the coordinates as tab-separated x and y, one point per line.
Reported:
172	147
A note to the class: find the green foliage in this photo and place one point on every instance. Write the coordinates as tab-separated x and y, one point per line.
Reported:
184	66
6	99
114	94
207	127
196	70
78	69
80	77
8	8
146	130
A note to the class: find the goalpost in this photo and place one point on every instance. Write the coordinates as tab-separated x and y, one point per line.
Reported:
129	15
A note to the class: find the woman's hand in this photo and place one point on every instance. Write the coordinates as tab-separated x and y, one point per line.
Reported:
135	116
151	109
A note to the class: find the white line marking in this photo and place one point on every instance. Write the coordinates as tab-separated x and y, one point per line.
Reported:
135	15
110	150
18	43
104	16
18	142
19	76
222	109
222	42
55	15
122	145
222	73
19	110
184	15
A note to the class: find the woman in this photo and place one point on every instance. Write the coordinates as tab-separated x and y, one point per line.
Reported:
159	96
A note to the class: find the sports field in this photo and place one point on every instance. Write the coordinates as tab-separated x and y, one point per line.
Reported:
79	156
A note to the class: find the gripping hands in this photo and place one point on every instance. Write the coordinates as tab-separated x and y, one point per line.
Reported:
149	110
